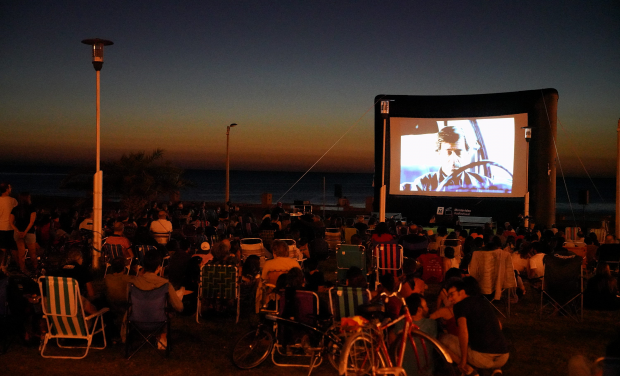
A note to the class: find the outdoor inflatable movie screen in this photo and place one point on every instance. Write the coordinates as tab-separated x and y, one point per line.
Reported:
465	156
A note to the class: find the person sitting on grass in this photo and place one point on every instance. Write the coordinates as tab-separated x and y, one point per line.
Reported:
418	308
480	342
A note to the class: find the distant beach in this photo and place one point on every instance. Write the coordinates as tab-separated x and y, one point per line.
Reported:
248	186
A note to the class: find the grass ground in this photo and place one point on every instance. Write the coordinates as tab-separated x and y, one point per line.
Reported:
540	347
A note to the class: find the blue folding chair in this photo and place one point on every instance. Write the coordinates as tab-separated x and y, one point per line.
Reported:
112	251
147	317
343	301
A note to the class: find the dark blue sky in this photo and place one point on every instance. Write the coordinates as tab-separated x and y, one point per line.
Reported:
294	75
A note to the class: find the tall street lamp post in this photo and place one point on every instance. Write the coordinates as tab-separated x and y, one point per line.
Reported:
228	166
385	113
97	45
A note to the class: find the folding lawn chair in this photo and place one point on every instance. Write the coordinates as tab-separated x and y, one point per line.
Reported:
148	318
347	256
218	282
265	293
112	251
388	259
333	237
562	286
4	315
305	311
494	272
64	314
348	233
252	246
343	301
140	251
294	252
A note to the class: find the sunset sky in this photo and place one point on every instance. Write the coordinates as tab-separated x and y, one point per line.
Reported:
295	75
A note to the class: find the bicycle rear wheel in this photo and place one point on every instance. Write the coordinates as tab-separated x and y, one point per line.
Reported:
253	348
360	356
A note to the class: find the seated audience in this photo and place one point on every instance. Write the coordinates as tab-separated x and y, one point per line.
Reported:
280	260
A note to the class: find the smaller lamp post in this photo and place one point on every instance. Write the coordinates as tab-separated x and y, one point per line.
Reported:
528	137
228	166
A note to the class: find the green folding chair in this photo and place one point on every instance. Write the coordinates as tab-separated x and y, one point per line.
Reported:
218	282
343	301
63	311
348	256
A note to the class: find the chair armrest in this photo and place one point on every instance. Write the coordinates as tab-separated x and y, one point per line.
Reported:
98	313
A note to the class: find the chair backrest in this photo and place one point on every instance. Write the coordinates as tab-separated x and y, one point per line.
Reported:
389	258
141	251
305	307
562	279
267	236
148	306
292	247
343	301
251	246
570	233
273	275
348	233
351	255
62	305
488	266
219	281
112	251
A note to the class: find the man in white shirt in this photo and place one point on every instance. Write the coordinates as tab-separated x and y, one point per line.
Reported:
7	203
161	228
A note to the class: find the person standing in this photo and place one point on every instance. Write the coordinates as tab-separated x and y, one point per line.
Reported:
23	217
7	203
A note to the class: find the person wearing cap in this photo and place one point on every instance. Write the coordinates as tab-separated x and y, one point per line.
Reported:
119	238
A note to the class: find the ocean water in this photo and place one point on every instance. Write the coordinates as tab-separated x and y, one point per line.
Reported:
247	187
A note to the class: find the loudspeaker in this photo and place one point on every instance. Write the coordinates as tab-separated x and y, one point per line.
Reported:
338	190
584	197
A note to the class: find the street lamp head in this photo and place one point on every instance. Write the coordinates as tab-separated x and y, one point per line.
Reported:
97	50
233	124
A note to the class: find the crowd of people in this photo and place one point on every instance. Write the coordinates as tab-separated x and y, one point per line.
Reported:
193	235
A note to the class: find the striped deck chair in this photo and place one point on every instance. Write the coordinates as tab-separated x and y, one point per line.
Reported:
343	301
388	259
218	282
63	311
112	251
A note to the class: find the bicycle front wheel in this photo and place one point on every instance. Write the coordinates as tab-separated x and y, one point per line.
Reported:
252	349
360	356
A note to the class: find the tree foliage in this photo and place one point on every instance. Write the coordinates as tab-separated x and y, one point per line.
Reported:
136	178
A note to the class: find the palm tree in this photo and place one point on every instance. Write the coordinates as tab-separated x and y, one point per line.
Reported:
136	178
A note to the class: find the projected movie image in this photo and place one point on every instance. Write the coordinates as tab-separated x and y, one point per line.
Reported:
457	156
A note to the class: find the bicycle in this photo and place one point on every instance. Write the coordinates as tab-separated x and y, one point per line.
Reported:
319	339
367	352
